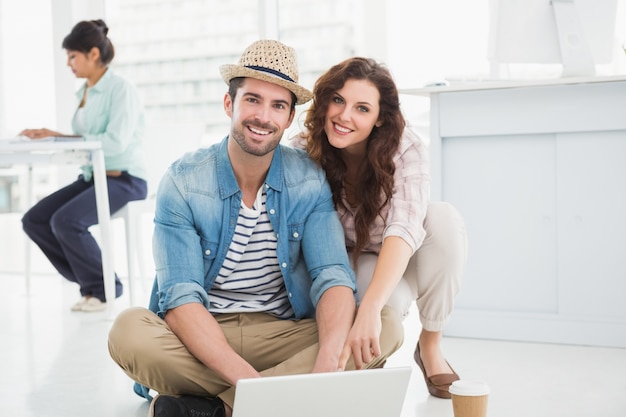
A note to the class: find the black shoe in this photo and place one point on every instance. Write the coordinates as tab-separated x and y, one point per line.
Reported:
186	406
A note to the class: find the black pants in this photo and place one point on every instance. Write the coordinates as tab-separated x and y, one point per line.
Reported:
59	225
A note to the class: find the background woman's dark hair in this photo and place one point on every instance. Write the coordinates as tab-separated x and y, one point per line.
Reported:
375	186
87	34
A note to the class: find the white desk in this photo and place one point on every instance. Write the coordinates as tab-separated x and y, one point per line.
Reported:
79	153
537	170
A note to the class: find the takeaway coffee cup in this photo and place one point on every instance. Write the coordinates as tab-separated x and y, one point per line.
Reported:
469	398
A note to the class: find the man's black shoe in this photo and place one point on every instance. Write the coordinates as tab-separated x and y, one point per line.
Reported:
186	406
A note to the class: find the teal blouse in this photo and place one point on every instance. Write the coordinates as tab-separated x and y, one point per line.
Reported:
113	114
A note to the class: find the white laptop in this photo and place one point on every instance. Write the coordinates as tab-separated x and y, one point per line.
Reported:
363	393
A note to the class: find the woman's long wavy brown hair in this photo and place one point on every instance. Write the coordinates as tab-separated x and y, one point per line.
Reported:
376	183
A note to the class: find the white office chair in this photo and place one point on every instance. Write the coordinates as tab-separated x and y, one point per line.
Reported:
136	238
163	144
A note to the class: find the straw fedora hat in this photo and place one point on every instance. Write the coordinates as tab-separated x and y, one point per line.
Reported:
271	61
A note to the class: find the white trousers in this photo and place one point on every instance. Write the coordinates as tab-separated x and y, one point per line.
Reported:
433	275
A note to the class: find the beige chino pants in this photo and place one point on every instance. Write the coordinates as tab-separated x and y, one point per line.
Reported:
147	350
433	275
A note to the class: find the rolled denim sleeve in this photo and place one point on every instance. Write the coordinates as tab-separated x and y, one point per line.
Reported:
177	250
324	248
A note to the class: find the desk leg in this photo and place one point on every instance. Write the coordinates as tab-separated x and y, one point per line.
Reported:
104	221
28	246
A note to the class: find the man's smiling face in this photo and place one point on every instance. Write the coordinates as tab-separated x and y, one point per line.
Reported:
259	115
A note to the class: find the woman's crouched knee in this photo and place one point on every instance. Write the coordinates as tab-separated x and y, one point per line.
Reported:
392	334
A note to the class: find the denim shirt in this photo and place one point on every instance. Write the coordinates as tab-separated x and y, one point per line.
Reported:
198	203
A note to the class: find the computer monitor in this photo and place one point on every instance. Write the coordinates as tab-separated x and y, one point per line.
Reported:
575	33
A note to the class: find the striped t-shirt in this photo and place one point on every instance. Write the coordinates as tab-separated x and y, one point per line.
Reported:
250	279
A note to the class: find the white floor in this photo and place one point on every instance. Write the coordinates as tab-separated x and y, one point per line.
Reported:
54	363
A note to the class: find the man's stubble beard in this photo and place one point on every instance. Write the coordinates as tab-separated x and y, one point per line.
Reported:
240	138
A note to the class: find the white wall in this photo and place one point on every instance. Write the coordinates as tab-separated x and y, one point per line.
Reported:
448	39
26	83
34	63
433	40
420	40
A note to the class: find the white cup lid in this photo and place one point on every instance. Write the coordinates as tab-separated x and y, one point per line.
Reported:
469	388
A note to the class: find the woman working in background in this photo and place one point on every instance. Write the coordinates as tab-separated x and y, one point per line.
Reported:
109	111
402	247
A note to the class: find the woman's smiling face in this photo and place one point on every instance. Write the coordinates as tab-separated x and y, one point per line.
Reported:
352	114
